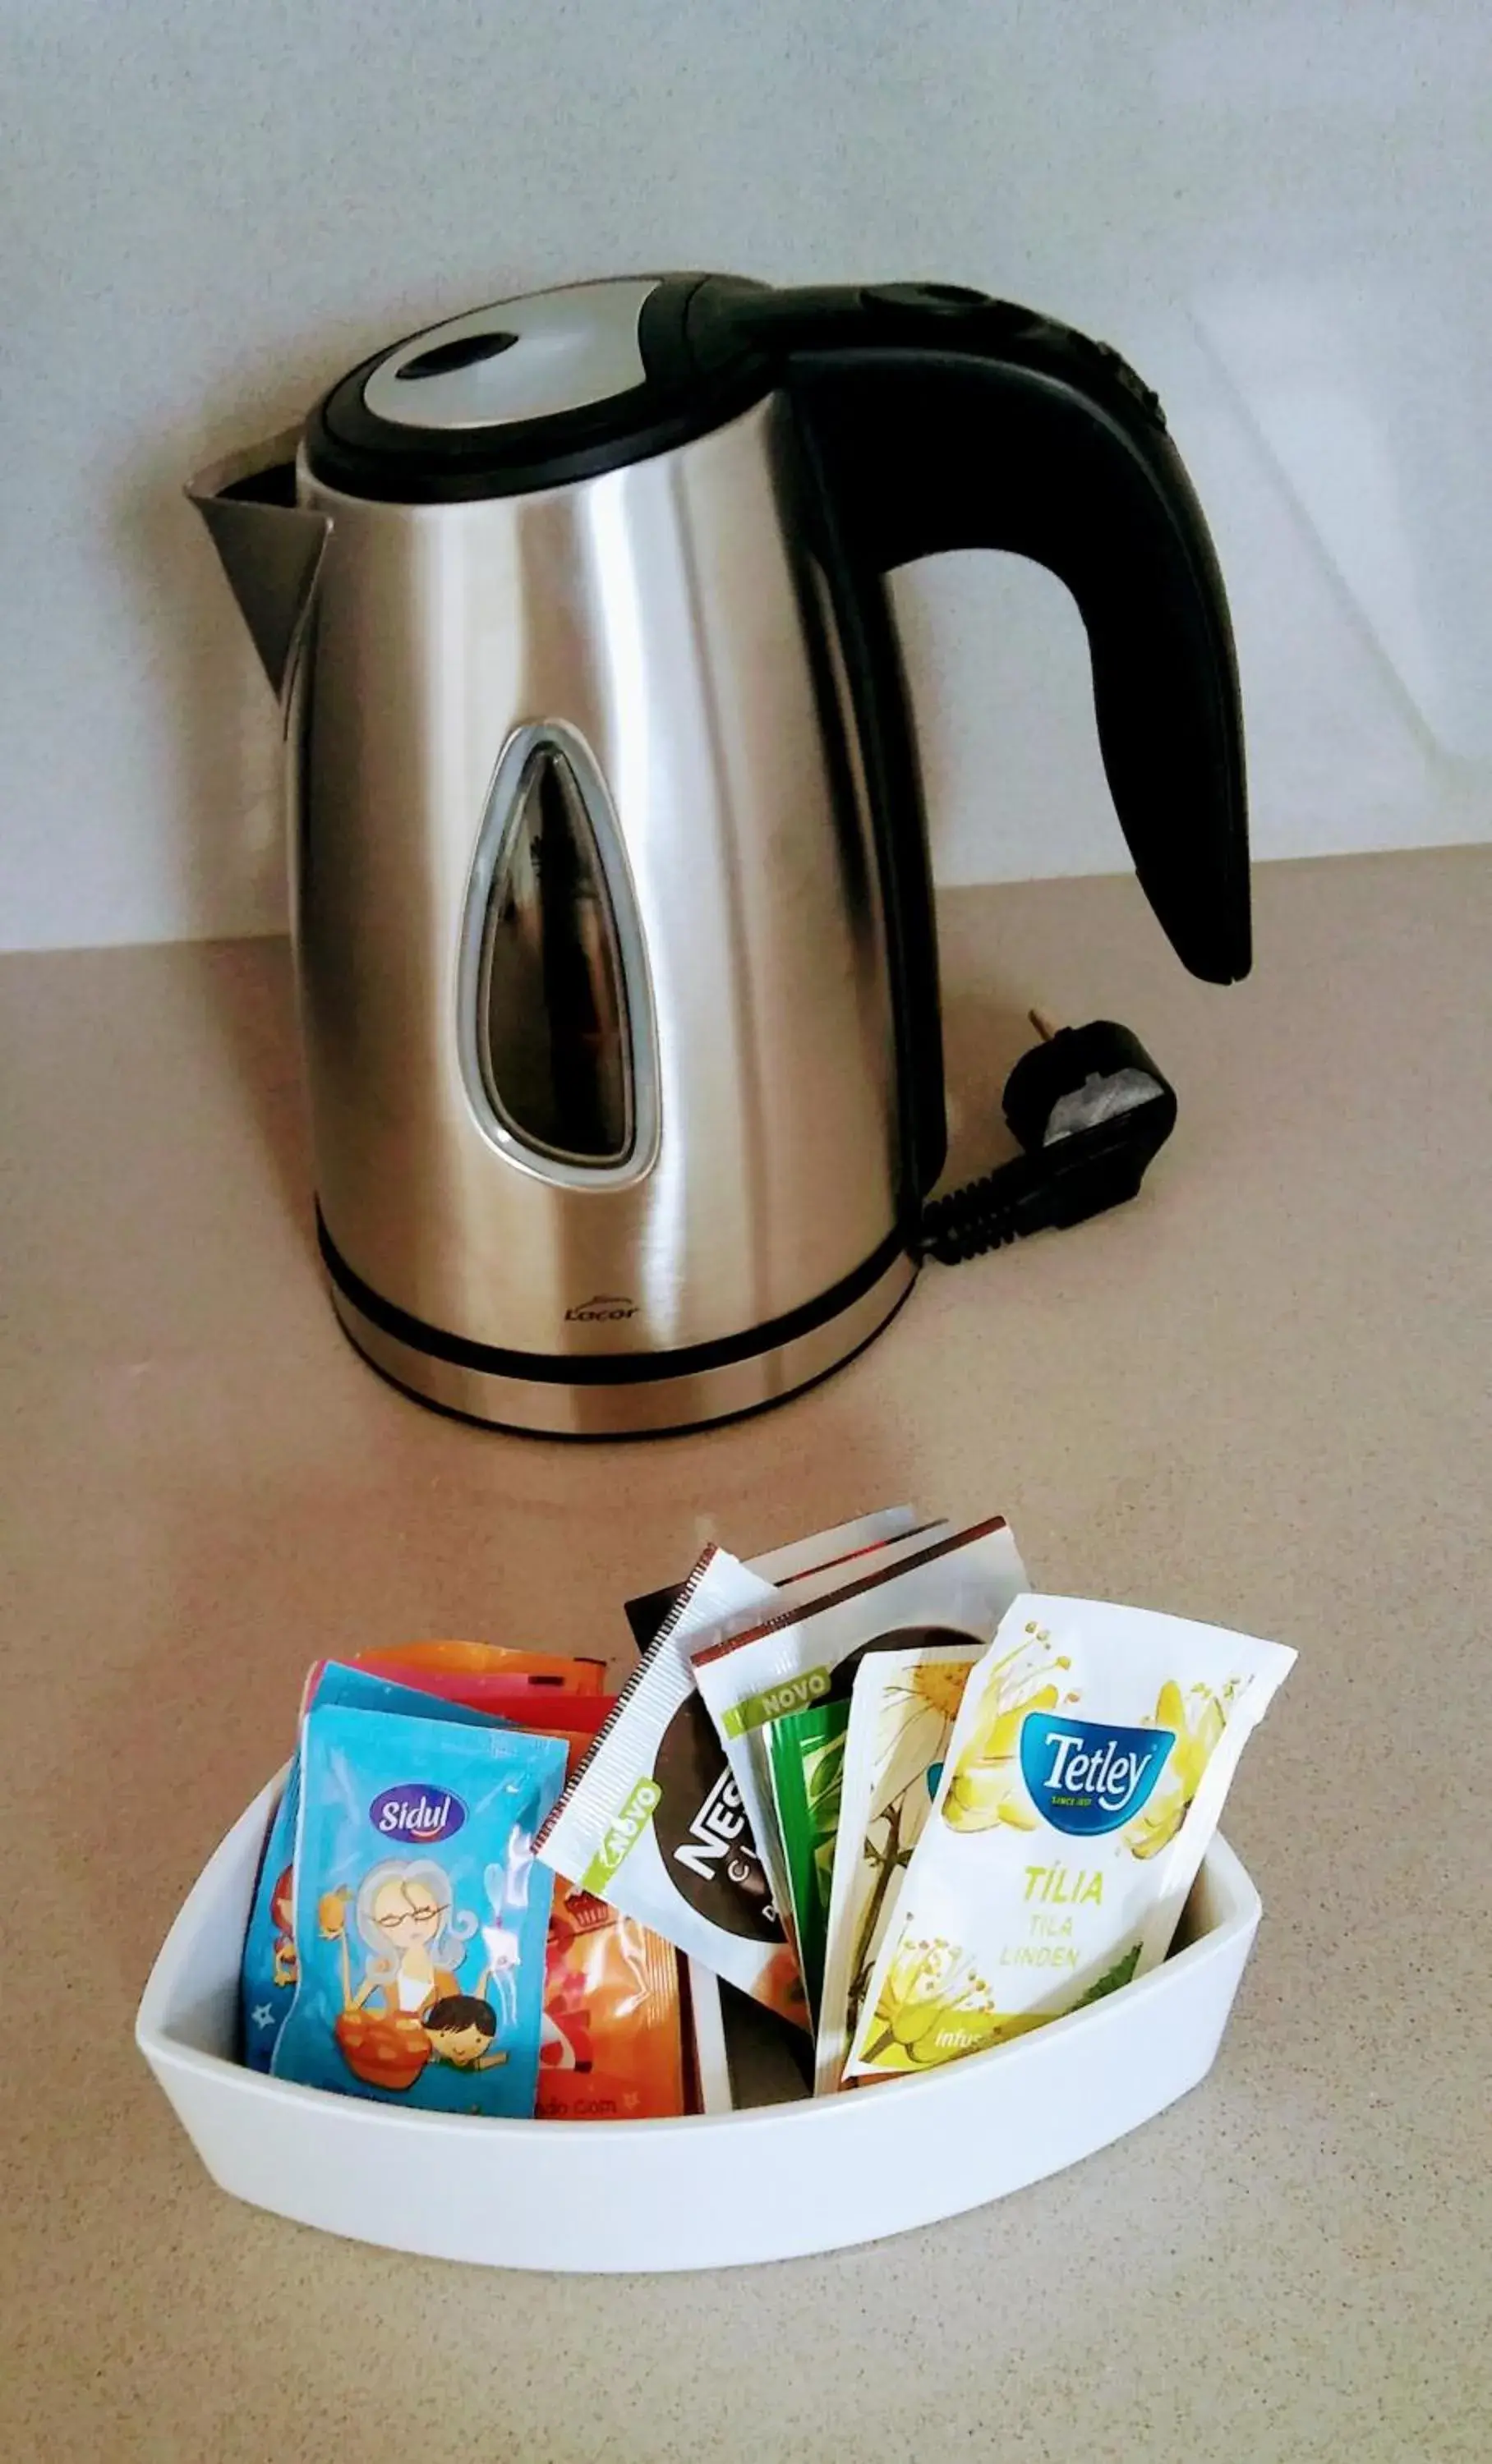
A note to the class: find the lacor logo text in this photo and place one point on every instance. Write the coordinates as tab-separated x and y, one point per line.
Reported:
1085	1776
414	1812
598	1312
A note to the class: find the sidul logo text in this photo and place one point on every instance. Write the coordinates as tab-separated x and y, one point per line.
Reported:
417	1813
601	1311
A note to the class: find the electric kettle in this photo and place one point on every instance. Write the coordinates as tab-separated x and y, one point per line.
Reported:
610	892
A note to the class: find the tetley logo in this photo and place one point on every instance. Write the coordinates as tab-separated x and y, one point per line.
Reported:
412	1811
1085	1776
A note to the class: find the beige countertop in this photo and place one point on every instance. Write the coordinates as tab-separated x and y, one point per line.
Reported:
1259	1396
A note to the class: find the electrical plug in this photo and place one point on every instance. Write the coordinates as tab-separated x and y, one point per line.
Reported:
1090	1109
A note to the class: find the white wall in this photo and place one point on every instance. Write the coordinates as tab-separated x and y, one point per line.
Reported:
213	209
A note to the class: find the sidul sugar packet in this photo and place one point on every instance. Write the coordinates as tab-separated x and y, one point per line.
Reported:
653	1822
421	1917
1084	1778
611	2041
483	1677
269	1968
760	1670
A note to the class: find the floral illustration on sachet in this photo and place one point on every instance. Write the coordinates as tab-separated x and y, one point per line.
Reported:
918	1707
934	2007
986	1786
1084	1777
905	1699
1195	1727
931	2006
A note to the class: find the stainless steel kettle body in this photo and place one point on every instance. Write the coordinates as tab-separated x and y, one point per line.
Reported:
616	981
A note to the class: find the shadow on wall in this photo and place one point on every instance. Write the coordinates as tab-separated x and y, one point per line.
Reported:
221	723
227	799
223	797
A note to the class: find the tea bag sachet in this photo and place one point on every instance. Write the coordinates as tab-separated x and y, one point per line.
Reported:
901	1718
653	1822
1083	1780
957	1583
807	1757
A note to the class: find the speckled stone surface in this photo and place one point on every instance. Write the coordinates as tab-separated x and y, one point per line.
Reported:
1261	1396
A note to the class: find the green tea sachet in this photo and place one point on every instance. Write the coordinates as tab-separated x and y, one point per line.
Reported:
760	1669
807	1753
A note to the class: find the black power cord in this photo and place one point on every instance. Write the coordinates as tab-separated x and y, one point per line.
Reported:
1090	1109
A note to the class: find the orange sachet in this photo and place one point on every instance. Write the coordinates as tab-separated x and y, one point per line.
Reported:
611	2046
487	1659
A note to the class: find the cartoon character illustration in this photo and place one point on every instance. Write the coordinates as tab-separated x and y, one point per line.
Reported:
405	1918
461	2027
408	2008
285	1969
402	1912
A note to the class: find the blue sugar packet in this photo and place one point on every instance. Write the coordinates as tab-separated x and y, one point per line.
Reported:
363	1689
267	1978
421	1918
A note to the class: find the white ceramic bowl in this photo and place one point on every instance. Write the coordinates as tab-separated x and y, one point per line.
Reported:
697	2192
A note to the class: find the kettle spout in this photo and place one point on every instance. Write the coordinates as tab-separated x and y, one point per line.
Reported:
270	547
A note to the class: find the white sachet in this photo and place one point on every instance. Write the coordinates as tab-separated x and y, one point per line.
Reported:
1084	1778
652	1822
902	1716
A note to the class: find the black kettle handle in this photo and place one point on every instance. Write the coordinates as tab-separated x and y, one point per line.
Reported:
941	419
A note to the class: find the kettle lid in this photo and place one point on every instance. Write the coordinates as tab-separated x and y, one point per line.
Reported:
531	357
527	392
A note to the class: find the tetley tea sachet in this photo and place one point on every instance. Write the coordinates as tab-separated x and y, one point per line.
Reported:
1084	1777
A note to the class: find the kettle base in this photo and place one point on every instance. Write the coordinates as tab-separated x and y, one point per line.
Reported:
649	1404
